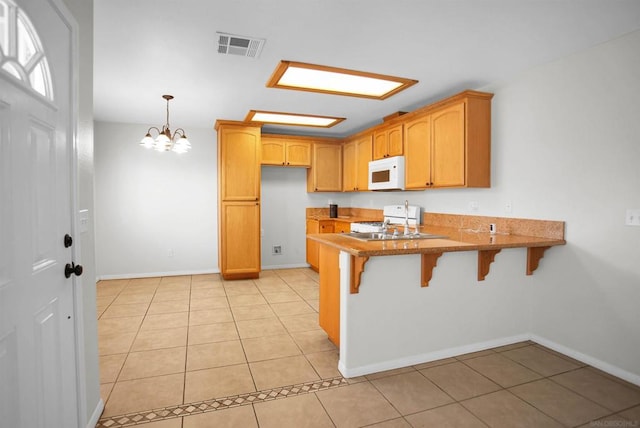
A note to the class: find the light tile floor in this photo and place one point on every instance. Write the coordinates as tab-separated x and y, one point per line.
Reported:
196	352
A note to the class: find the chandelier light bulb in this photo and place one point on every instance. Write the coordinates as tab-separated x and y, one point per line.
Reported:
147	142
162	139
182	145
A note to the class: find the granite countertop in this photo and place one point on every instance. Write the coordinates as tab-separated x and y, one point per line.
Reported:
345	218
457	240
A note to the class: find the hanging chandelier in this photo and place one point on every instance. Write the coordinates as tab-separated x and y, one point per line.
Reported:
165	140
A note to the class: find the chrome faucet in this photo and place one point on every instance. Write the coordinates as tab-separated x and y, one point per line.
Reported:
385	225
406	218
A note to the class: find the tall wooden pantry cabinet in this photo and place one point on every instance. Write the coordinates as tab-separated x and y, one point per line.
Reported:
238	199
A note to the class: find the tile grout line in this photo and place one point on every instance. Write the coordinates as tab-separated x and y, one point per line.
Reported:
222	403
186	409
186	345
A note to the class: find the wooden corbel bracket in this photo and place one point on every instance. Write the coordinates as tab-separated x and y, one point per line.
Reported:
534	254
429	262
485	258
357	267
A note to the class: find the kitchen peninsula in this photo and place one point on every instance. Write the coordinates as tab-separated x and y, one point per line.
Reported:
382	302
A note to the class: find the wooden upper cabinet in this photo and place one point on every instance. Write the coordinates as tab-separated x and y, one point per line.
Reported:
285	151
349	167
417	147
239	162
388	141
273	151
364	152
299	154
449	145
356	155
325	174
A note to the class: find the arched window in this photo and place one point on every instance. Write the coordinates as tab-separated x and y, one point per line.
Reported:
21	53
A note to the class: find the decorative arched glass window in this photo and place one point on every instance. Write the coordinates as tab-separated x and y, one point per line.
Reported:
21	53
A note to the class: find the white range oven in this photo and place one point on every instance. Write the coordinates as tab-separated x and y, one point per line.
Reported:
393	215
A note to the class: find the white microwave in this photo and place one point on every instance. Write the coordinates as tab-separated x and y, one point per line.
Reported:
387	174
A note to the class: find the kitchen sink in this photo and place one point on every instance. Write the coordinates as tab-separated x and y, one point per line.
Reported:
378	236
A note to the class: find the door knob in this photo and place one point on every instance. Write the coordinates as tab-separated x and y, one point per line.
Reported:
72	269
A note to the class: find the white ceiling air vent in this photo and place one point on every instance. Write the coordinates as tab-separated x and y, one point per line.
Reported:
231	44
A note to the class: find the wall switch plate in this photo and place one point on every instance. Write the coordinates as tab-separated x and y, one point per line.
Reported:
83	219
508	207
633	217
277	249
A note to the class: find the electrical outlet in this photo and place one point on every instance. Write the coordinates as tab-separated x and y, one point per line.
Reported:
277	249
633	217
473	206
169	252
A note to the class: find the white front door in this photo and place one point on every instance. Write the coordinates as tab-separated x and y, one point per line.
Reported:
38	380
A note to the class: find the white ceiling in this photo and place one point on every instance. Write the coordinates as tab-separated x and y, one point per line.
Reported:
146	48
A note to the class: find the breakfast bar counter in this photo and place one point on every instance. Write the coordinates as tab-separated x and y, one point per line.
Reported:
456	240
377	309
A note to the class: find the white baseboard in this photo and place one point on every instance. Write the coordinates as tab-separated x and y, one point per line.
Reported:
95	416
465	349
291	266
188	272
587	359
157	274
428	357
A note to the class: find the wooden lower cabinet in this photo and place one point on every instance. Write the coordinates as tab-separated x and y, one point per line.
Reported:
313	250
341	226
329	303
240	243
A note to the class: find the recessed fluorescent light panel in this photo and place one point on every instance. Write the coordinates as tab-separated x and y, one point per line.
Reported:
337	81
292	119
